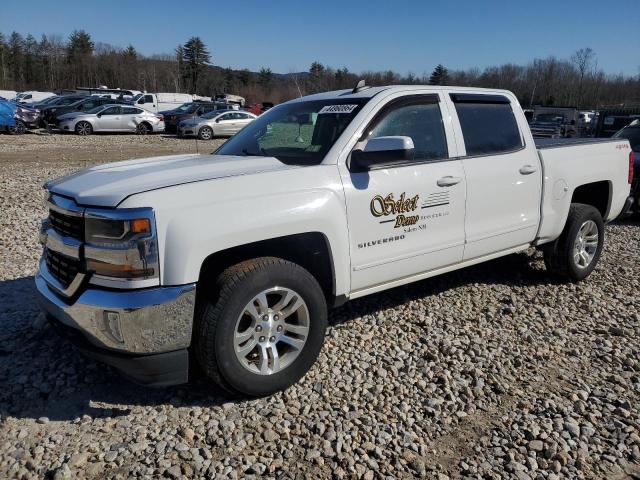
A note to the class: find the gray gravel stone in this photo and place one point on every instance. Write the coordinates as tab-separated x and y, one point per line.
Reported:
496	371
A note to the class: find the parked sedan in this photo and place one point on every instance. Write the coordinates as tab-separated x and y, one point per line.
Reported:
112	118
51	113
172	118
215	124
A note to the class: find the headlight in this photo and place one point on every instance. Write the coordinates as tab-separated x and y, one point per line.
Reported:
121	247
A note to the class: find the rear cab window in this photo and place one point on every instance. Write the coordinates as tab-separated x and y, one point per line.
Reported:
489	126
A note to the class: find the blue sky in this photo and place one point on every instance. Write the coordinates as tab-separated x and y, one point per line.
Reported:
405	36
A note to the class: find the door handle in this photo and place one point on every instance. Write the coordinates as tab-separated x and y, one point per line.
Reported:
448	181
528	169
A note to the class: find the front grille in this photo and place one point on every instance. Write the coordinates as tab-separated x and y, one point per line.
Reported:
63	268
67	225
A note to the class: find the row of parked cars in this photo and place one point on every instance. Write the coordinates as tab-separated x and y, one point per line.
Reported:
143	113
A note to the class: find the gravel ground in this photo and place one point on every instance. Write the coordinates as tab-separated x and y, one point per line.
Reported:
497	371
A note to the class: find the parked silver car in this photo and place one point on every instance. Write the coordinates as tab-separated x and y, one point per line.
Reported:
216	124
112	118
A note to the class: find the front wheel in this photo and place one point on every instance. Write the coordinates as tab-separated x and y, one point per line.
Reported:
205	133
576	253
18	129
84	128
264	329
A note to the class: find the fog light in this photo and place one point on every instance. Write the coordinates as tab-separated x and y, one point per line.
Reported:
112	326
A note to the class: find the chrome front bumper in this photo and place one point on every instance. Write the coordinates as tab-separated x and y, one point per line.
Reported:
137	322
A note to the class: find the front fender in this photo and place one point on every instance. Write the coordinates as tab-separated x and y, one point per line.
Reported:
199	219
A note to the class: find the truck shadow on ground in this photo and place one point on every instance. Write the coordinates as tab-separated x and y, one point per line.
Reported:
41	375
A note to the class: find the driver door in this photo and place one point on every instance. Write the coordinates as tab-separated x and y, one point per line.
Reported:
406	219
224	126
110	119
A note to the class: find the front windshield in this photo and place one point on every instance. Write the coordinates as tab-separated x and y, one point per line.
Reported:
136	97
187	107
550	117
50	100
297	132
632	134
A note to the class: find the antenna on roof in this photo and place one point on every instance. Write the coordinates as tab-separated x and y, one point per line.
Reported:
360	86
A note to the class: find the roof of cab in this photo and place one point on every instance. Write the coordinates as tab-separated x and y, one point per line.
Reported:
372	91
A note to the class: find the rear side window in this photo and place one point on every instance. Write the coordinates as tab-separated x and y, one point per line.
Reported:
419	119
148	99
488	124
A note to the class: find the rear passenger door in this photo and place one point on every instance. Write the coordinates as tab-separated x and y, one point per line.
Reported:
504	177
409	218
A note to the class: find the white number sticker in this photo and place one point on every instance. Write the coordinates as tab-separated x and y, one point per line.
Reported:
337	109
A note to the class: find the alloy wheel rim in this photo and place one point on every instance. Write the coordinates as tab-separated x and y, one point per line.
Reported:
83	129
206	134
586	244
271	331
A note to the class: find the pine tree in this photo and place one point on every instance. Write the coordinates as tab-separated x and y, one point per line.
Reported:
196	58
265	77
16	60
439	76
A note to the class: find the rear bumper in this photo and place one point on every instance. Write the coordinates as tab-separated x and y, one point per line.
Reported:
628	204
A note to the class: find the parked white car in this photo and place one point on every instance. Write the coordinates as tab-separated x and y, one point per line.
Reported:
231	259
33	96
8	94
218	123
160	102
111	118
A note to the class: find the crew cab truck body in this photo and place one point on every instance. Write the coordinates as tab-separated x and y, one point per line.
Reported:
236	256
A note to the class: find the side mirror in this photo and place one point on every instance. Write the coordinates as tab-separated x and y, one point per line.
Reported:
99	115
217	120
141	101
381	152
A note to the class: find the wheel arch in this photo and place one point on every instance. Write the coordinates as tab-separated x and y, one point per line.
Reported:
597	194
310	250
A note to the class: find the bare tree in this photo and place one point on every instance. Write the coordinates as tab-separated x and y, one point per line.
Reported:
583	60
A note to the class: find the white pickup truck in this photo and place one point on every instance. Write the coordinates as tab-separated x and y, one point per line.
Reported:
230	260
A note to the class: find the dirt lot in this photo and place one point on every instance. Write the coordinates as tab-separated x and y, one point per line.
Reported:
496	371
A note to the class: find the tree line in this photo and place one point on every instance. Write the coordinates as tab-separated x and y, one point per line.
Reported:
55	63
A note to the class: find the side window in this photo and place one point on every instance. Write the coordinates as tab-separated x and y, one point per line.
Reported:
111	111
225	117
88	105
131	111
487	127
148	99
420	121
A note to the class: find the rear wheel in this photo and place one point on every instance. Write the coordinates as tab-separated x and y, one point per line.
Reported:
205	133
18	129
84	128
143	129
264	330
576	253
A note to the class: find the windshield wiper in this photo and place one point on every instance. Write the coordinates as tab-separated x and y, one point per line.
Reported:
262	153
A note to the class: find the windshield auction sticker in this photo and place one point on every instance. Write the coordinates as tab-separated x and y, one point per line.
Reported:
337	109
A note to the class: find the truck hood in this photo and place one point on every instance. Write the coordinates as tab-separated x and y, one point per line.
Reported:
109	184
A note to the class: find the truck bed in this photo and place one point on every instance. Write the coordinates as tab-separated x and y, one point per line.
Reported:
565	142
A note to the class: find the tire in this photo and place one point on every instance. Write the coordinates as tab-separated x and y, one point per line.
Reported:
575	254
83	128
143	129
205	133
18	129
220	355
